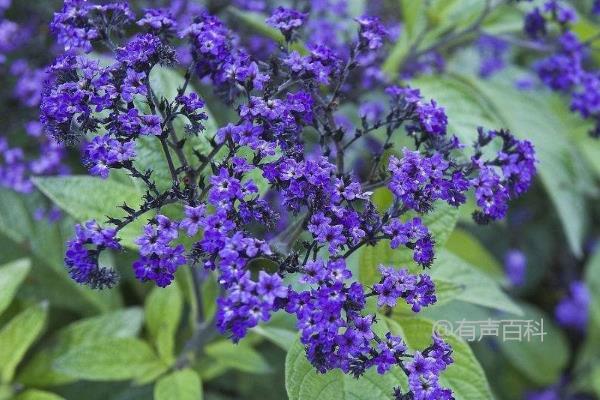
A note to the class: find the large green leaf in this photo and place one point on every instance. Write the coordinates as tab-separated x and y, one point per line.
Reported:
465	376
11	277
588	357
475	286
179	385
111	360
541	361
466	246
238	356
303	382
15	221
18	335
118	324
282	337
34	394
86	197
163	313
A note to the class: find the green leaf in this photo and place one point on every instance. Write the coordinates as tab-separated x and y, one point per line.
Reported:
6	392
440	221
282	337
86	197
303	382
119	324
477	287
541	361
150	156
15	222
11	277
588	356
34	394
111	360
179	385
466	246
18	335
465	376
163	312
238	356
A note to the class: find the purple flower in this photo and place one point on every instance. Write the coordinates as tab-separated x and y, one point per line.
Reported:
104	152
515	264
158	20
144	51
403	233
270	287
287	20
78	24
559	72
572	311
81	257
535	24
490	194
193	219
372	32
432	118
491	52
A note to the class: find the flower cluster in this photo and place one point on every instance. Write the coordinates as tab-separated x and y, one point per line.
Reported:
81	257
568	69
159	258
418	291
287	20
24	151
425	368
80	23
282	156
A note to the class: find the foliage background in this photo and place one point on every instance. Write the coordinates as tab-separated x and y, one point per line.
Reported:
62	340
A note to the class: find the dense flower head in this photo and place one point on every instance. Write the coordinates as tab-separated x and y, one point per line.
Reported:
144	51
424	370
160	20
80	22
159	257
210	41
104	152
287	20
372	32
432	118
412	234
420	180
511	177
417	291
81	257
